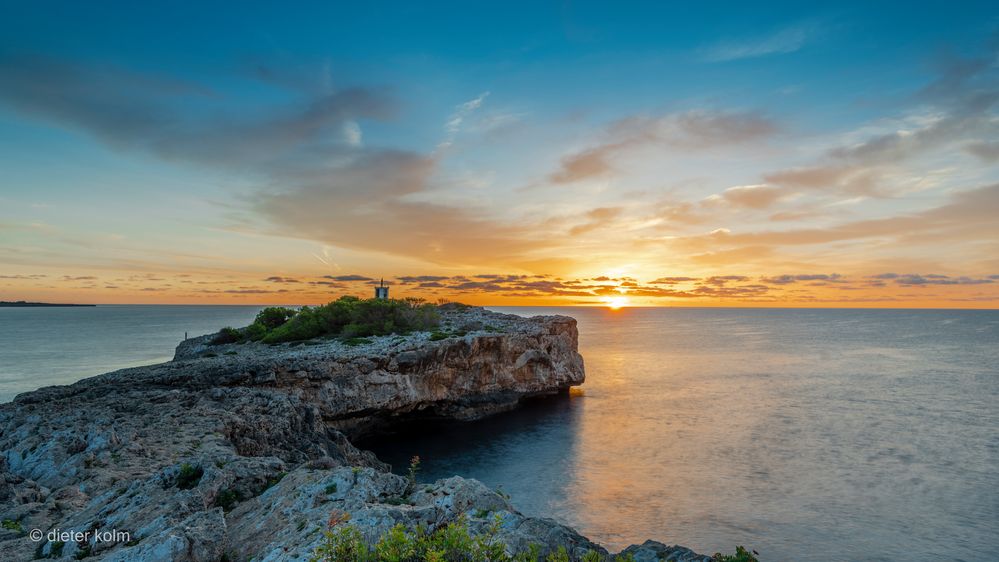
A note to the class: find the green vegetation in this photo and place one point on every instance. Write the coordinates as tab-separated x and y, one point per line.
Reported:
414	467
350	318
356	341
451	543
273	316
741	555
227	499
189	476
438	335
227	335
273	480
12	525
330	489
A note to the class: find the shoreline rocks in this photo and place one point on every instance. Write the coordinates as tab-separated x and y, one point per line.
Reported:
242	451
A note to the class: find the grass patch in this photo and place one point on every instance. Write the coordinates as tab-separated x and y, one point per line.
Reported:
189	476
356	341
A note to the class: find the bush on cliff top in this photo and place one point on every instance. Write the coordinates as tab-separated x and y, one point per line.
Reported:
346	317
273	316
227	335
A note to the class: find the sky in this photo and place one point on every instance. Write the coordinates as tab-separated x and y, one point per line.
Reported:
531	153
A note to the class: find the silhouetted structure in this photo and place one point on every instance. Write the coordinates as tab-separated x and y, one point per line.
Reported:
381	291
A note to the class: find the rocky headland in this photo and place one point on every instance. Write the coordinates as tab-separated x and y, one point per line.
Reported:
243	451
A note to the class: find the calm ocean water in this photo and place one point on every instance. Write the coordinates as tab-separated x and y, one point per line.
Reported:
46	346
805	434
826	435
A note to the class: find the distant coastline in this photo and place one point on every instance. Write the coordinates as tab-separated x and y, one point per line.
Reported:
31	304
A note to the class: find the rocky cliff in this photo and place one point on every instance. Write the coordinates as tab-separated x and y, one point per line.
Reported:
242	451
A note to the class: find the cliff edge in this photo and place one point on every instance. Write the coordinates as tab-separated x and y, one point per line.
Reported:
242	451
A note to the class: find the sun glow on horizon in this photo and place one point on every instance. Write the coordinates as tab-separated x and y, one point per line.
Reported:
614	303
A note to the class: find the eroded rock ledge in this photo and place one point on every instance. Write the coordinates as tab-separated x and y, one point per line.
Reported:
244	450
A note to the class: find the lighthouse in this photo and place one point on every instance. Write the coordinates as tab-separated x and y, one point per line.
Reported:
381	291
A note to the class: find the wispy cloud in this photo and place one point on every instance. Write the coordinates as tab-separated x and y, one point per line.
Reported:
456	120
689	130
786	40
134	111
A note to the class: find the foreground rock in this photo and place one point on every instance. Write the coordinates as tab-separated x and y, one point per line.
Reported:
243	451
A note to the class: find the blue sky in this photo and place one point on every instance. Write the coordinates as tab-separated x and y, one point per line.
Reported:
566	140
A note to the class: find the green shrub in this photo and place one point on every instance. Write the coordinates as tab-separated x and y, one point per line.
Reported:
560	555
189	476
13	525
741	555
227	335
395	545
342	543
303	326
451	543
274	316
351	317
255	331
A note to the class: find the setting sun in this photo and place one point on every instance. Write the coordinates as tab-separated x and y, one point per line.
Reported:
616	302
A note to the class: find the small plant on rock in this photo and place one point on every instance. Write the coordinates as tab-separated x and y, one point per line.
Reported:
189	476
227	499
414	467
13	525
741	555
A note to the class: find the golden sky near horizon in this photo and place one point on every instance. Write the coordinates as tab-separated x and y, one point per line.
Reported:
802	164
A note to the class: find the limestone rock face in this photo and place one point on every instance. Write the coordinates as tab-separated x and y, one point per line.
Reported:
244	451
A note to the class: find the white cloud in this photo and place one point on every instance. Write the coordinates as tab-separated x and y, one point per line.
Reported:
454	123
787	40
352	133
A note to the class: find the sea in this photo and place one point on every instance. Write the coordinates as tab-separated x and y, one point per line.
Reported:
803	434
